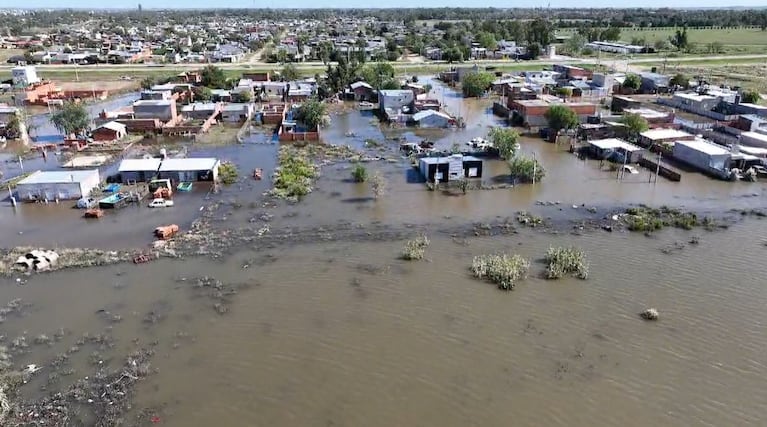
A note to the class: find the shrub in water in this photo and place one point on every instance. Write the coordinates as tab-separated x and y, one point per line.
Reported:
502	269
563	261
415	249
359	173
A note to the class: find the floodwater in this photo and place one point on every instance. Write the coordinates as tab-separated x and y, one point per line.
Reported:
345	334
340	332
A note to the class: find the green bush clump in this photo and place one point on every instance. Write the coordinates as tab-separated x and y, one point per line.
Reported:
415	249
647	219
502	269
227	173
294	177
563	261
359	173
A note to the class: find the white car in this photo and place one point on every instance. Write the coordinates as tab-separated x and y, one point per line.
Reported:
161	203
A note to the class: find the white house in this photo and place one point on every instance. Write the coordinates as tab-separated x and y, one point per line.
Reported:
57	185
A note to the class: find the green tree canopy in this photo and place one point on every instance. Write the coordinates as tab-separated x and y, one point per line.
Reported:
214	77
378	73
147	82
72	118
632	81
523	169
289	72
504	140
476	83
487	40
560	117
243	96
574	45
312	113
202	93
751	97
635	124
680	80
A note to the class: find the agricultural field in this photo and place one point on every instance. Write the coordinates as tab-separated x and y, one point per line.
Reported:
748	76
7	53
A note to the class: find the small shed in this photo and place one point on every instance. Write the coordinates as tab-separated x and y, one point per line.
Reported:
190	169
237	113
603	148
111	131
704	155
451	168
138	170
57	185
432	119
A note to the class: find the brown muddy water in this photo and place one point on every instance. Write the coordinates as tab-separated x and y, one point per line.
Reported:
334	330
343	333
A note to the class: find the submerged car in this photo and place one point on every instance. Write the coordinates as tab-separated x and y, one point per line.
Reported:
161	203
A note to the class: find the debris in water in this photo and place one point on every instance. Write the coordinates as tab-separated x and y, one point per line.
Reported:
650	314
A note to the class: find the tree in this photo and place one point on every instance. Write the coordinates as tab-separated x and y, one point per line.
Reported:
565	92
574	45
610	34
487	40
243	96
452	54
751	97
680	80
632	81
525	169
13	127
147	82
378	73
476	83
289	73
378	185
560	117
660	45
679	40
202	93
71	119
312	113
533	50
504	140
635	124
213	77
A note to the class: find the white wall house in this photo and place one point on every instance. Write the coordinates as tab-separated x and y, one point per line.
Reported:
57	185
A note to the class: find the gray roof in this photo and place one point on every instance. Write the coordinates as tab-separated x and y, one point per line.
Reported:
133	165
58	177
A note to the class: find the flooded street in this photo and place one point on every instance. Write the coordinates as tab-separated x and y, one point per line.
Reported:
324	325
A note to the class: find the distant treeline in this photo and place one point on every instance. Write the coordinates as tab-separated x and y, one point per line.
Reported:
562	18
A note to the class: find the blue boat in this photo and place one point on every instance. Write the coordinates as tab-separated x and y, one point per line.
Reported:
184	186
114	201
112	188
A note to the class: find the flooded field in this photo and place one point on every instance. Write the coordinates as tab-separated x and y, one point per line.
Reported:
320	323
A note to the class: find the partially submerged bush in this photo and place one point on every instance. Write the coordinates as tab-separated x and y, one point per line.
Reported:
563	261
359	173
648	219
227	173
294	177
529	219
502	269
415	249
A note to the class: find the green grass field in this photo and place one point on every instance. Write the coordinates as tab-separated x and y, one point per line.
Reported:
734	40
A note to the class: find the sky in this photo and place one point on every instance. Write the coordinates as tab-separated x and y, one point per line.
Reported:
206	4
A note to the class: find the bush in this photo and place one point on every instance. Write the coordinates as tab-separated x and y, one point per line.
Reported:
227	173
359	173
378	185
563	261
415	249
502	269
294	177
524	169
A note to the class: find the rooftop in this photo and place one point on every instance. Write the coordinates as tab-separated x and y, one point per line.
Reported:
58	177
605	144
755	135
189	164
426	113
117	127
130	165
152	103
664	134
704	146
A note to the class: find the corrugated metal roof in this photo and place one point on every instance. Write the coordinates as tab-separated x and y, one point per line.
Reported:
189	164
58	177
132	165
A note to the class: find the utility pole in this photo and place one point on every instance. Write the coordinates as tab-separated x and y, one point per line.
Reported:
535	167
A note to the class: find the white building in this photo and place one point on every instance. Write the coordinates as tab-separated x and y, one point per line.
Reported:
57	185
24	75
190	169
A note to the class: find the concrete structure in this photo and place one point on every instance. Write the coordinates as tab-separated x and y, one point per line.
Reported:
24	75
237	113
201	110
603	148
189	169
754	139
163	110
57	185
139	170
110	131
451	168
533	111
393	102
704	155
432	119
663	136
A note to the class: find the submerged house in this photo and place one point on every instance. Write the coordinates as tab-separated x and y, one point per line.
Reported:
606	148
138	170
189	169
57	185
451	168
432	119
